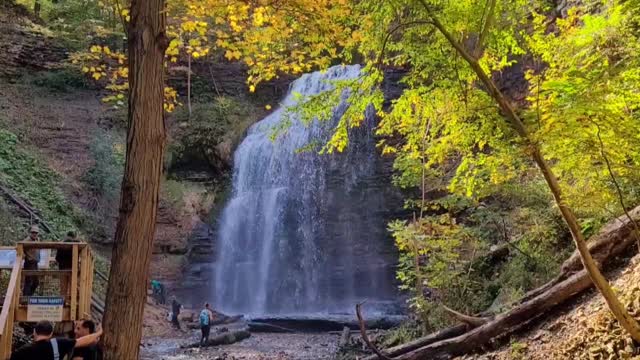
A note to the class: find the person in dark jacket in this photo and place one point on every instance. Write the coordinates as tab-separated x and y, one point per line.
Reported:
46	347
175	311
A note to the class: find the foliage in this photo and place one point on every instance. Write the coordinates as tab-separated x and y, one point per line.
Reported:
34	182
11	227
66	79
447	135
105	176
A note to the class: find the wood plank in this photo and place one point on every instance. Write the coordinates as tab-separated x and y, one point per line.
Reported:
82	283
8	307
51	244
11	290
46	272
74	281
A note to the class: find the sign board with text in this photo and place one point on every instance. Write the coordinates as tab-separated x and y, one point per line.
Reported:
8	257
45	308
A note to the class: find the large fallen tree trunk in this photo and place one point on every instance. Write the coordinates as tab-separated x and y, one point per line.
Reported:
504	323
225	338
612	240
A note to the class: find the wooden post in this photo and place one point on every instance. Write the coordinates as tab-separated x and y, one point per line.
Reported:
82	306
90	266
7	315
74	282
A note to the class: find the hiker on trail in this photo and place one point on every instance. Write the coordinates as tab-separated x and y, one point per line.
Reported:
158	291
206	317
31	260
175	311
46	347
64	258
91	352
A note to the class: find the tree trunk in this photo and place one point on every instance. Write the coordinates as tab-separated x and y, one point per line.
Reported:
189	85
36	8
612	240
603	286
504	323
128	279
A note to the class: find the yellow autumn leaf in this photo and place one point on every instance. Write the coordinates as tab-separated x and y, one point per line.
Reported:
97	76
268	107
85	69
252	88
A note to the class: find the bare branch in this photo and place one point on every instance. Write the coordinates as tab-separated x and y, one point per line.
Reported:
365	337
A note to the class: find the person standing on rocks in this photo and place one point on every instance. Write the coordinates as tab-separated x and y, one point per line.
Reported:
206	317
175	311
31	260
158	292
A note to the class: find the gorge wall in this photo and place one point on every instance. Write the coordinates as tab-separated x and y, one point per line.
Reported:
302	233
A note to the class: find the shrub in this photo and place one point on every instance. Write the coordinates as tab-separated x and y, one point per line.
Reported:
105	176
65	79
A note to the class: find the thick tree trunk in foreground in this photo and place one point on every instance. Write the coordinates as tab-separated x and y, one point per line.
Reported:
603	286
127	290
611	241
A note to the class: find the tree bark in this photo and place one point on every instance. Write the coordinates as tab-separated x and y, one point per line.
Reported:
189	85
128	279
601	283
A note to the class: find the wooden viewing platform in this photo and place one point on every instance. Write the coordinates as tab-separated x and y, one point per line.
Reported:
48	300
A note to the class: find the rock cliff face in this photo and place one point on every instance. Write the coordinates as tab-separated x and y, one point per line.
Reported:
303	233
25	45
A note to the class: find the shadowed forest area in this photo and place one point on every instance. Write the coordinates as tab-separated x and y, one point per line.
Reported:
335	179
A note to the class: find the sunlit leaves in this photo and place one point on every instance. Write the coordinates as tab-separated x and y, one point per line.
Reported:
588	92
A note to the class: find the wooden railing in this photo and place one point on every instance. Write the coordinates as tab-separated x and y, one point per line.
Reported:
77	293
7	314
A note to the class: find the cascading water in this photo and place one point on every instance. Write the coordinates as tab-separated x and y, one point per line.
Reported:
306	233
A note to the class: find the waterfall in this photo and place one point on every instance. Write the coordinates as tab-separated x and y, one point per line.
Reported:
305	233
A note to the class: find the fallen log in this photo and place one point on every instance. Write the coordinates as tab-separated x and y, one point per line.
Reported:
222	320
258	327
616	236
471	321
222	339
447	333
504	323
612	240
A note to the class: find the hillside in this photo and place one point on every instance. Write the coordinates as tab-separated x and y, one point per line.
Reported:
74	144
582	329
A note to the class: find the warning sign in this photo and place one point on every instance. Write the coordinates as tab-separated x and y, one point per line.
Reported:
45	308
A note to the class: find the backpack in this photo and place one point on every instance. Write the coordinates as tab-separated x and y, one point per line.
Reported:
204	317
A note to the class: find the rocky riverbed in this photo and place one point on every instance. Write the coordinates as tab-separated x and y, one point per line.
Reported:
260	346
